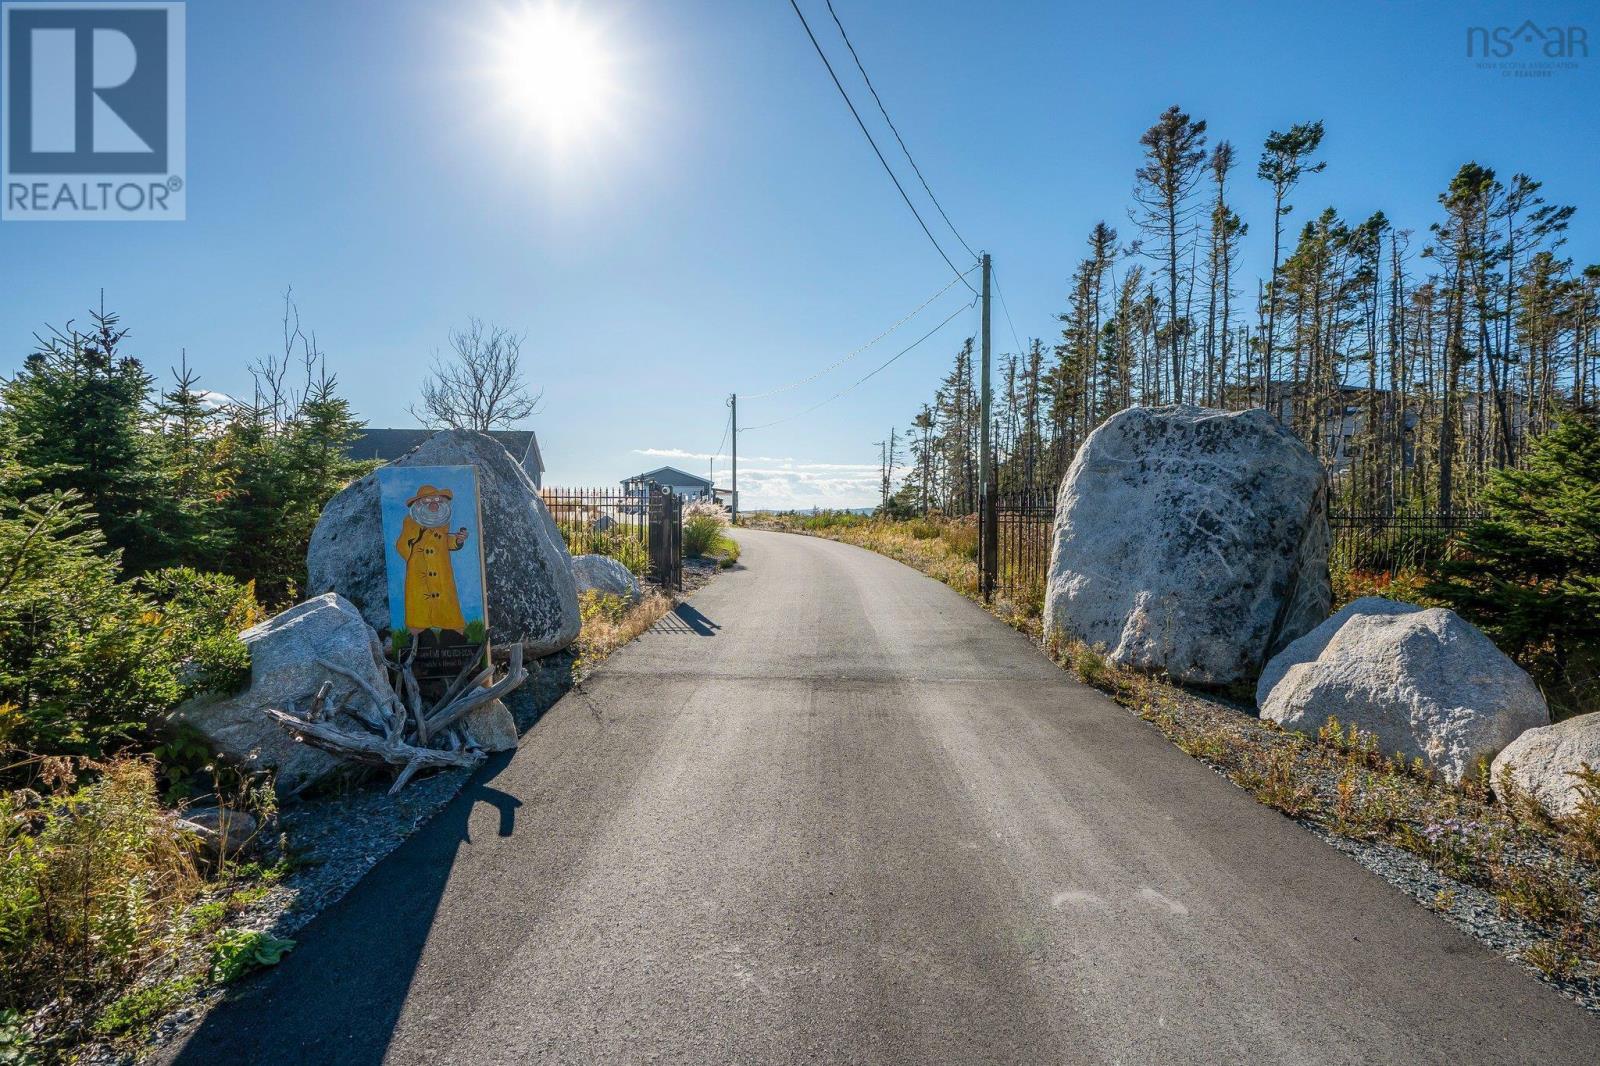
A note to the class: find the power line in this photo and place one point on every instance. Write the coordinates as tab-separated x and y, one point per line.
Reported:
885	113
1001	293
878	151
836	364
874	373
713	464
725	427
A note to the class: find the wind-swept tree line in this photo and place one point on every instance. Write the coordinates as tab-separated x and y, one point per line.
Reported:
1411	363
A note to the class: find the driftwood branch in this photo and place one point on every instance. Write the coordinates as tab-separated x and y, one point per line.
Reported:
398	731
461	680
477	697
376	751
384	708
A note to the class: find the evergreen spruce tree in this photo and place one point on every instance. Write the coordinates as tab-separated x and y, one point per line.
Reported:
78	410
1530	572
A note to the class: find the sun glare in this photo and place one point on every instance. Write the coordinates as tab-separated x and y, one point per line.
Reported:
554	71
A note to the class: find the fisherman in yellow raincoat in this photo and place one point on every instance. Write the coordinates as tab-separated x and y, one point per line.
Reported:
425	544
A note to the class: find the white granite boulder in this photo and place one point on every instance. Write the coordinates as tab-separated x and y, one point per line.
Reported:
284	673
1422	680
1190	542
492	727
603	574
531	595
1543	761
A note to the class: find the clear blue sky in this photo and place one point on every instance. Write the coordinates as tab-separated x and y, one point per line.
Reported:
731	229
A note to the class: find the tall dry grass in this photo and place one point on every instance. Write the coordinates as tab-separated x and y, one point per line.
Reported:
91	883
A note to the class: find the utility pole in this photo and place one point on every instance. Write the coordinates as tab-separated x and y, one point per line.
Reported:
986	532
733	506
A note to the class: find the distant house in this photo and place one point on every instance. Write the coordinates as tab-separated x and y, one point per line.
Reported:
387	445
679	481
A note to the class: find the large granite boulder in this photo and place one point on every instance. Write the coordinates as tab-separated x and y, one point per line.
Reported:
603	574
531	598
284	673
1422	680
1190	542
1543	761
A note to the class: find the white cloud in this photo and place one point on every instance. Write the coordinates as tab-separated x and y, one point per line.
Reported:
783	483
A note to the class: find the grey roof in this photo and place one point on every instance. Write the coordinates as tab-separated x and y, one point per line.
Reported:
390	444
670	475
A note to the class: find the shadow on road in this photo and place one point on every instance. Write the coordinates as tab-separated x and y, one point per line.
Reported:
338	996
685	619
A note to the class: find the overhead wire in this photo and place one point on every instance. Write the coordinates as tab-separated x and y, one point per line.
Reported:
994	274
876	150
836	364
726	425
870	375
884	111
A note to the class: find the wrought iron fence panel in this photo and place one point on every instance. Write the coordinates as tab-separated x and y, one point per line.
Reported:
604	521
1016	564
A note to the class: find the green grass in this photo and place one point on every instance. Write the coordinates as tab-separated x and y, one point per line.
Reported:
726	551
140	1009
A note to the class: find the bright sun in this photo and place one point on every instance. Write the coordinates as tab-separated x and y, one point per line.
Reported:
554	70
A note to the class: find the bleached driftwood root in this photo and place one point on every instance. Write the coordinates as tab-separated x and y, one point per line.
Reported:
373	750
398	731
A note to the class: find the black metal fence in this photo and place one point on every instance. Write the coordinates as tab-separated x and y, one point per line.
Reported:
1015	562
1381	543
642	530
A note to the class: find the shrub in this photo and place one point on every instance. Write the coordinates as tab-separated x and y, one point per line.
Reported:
141	1008
88	662
1530	572
235	952
90	882
202	616
16	1044
84	664
702	529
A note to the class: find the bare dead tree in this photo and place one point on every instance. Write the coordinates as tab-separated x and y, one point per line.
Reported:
481	385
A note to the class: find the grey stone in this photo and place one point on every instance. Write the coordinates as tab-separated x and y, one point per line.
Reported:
1422	680
1542	761
1190	542
492	727
284	674
531	595
603	574
225	833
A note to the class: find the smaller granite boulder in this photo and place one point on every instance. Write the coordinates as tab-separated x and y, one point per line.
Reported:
603	574
1423	681
1543	761
284	673
492	727
224	833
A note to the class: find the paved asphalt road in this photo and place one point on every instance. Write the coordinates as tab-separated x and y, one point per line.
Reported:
832	812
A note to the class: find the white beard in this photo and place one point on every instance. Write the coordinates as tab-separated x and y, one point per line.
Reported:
430	518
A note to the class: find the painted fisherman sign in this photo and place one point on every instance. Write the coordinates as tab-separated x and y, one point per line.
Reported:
435	564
